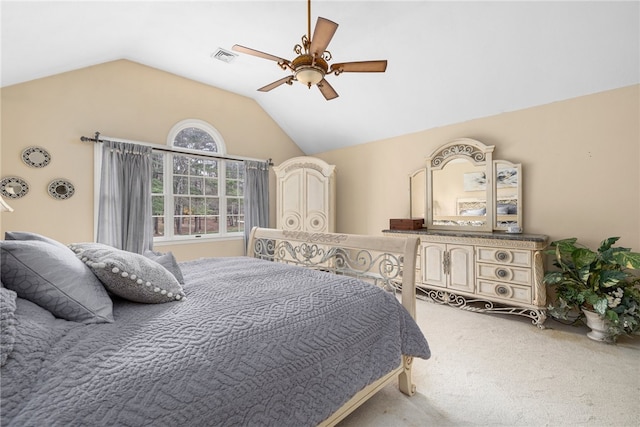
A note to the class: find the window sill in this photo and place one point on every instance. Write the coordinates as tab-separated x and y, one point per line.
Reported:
195	240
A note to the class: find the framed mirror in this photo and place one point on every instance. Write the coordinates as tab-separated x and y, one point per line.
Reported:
463	188
459	189
61	189
13	187
507	177
36	157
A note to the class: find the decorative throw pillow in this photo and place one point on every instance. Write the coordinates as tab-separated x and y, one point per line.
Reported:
7	323
129	275
52	277
168	261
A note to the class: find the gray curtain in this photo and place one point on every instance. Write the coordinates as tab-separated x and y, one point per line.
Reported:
124	213
256	197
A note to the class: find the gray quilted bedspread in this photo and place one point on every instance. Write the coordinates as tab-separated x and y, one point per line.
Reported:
255	343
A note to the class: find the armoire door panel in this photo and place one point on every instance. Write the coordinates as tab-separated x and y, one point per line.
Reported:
316	192
292	191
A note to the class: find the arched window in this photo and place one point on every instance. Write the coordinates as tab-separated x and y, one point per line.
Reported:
196	135
195	194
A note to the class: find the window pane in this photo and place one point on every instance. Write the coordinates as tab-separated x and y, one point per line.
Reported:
232	169
232	188
211	168
181	206
212	224
197	206
180	164
211	186
157	174
233	206
180	185
182	225
157	205
213	206
196	186
158	226
195	139
197	167
241	188
198	225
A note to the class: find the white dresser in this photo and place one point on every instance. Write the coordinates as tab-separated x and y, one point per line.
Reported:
493	272
306	195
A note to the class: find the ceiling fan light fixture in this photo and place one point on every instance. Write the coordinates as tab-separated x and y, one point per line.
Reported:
311	66
309	76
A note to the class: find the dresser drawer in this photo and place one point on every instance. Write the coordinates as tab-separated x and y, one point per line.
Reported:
504	273
504	291
502	256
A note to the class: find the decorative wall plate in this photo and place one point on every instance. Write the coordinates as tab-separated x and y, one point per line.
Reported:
36	157
13	187
61	189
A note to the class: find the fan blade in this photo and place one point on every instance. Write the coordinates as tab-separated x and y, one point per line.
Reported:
277	83
327	90
257	53
360	67
322	35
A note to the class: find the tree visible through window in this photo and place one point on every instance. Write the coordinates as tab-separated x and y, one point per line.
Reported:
198	196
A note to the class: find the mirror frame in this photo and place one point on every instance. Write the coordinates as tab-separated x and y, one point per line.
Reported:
478	154
66	186
14	181
39	152
418	194
518	186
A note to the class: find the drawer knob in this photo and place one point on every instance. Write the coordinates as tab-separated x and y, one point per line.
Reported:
502	256
502	290
502	273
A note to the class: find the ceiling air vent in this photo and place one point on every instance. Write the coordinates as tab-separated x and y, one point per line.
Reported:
224	55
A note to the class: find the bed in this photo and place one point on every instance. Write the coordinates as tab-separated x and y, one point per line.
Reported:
293	334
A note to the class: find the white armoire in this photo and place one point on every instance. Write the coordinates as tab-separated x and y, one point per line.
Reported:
306	195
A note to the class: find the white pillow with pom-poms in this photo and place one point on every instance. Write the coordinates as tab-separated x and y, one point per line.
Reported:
129	275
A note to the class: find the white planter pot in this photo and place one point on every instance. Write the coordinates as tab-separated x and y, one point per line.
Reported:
598	324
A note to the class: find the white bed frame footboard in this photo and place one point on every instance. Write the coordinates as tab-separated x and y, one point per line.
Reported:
386	261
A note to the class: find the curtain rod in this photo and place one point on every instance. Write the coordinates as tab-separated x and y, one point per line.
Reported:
167	149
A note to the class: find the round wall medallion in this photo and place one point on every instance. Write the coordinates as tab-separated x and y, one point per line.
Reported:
36	157
13	187
61	189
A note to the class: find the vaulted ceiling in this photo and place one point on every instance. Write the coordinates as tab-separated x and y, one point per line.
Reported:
448	61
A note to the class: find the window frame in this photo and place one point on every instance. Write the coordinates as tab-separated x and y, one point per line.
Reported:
169	236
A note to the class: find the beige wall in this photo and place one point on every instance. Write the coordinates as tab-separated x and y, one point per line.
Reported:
125	100
580	159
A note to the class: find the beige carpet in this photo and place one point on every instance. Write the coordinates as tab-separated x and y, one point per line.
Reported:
499	370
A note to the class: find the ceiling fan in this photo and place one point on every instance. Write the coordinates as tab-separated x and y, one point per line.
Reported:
312	63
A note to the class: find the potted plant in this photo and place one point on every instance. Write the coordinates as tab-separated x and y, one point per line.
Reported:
600	282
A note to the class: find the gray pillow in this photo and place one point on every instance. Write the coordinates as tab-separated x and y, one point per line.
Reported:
7	323
52	277
27	235
129	275
168	261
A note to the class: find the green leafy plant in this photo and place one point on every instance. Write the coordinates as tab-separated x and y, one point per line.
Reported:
603	281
